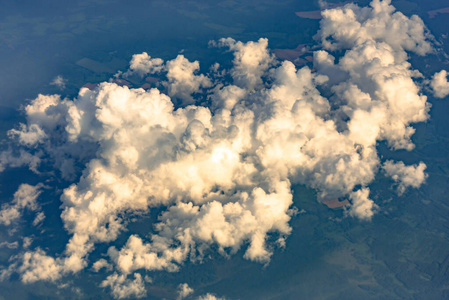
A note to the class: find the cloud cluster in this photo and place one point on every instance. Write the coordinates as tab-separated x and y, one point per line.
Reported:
24	198
182	80
225	172
123	287
351	25
36	265
14	159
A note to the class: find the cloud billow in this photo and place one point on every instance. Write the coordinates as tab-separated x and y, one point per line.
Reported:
225	172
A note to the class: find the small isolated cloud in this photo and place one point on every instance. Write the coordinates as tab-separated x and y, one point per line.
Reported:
59	81
184	290
439	84
405	176
24	198
101	264
142	64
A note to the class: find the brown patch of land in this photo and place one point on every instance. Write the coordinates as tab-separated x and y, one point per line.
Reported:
151	79
290	54
314	14
335	203
146	86
433	13
122	82
90	86
94	66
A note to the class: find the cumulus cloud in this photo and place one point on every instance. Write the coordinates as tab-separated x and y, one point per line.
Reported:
224	173
142	64
184	290
182	80
24	198
251	61
351	25
439	84
362	206
36	265
405	176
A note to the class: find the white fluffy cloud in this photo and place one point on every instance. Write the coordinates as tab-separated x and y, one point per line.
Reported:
182	81
251	61
362	207
405	176
142	64
36	265
225	172
439	84
351	25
